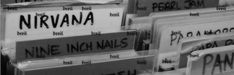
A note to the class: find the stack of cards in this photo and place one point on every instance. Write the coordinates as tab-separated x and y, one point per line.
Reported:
169	32
85	39
173	27
165	30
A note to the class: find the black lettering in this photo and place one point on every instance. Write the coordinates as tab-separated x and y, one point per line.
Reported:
54	50
22	33
217	64
89	18
85	46
194	4
198	33
173	37
108	44
208	32
54	21
28	53
209	45
168	6
74	19
232	29
206	61
100	46
67	8
117	45
44	18
74	47
35	23
218	31
176	36
65	20
201	3
225	30
155	5
26	22
229	42
124	42
228	62
161	7
68	48
67	62
190	34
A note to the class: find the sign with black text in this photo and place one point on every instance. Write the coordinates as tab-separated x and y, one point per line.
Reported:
171	36
203	44
215	61
75	45
145	7
24	24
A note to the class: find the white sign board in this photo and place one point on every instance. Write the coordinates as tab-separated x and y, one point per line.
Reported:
190	46
171	37
215	61
52	22
145	7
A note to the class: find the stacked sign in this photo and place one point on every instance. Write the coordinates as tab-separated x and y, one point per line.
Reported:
170	28
216	61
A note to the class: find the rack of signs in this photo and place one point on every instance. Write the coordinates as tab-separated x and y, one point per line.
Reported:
99	38
168	34
75	38
166	30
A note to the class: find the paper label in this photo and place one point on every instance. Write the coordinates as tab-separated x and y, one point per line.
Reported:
75	45
213	63
168	62
216	42
132	66
145	7
53	22
171	37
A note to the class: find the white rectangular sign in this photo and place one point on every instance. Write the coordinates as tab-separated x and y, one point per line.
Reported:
77	45
171	37
52	22
215	61
203	44
145	7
